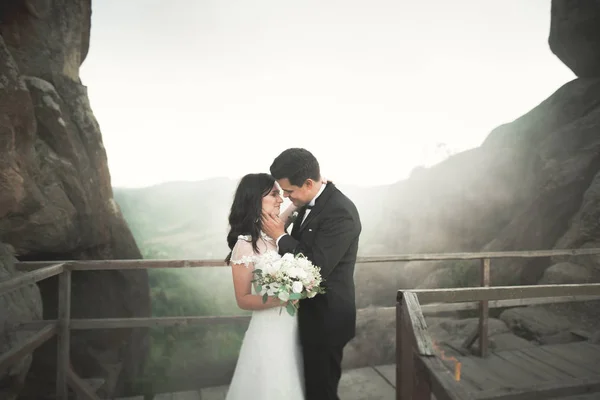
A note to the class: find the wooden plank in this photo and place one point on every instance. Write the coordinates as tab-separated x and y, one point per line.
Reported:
538	367
399	327
503	292
26	347
436	308
572	387
442	382
98	265
414	339
406	372
576	354
450	357
592	348
552	361
477	256
141	264
30	278
514	376
484	310
424	343
474	374
64	335
355	384
427	309
114	323
80	387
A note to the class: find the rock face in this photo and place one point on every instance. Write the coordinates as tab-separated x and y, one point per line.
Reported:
56	201
533	184
575	35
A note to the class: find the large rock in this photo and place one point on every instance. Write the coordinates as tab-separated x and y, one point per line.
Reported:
566	273
453	332
18	306
575	35
534	323
375	340
56	201
521	190
534	184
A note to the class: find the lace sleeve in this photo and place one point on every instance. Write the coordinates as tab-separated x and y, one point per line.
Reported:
243	253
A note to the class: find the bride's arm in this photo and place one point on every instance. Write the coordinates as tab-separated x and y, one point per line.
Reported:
242	283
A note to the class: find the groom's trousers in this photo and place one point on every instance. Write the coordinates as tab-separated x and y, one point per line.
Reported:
322	371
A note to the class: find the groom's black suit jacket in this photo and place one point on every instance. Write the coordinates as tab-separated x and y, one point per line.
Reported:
329	238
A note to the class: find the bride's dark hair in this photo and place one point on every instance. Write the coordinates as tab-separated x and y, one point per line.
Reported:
246	209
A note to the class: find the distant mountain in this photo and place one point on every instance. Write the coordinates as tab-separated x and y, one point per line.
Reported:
179	219
189	219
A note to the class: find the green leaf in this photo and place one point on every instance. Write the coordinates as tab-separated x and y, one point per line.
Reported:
295	296
258	271
265	298
291	309
259	288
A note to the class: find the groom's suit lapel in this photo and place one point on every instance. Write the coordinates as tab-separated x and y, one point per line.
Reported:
319	206
298	221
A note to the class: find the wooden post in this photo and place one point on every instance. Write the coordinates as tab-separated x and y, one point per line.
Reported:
398	347
406	377
64	334
484	310
415	333
412	339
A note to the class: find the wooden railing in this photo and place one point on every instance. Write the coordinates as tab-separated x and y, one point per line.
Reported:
485	298
420	373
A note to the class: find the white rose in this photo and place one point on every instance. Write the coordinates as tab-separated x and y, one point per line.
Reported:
276	265
301	274
272	268
284	296
293	272
297	287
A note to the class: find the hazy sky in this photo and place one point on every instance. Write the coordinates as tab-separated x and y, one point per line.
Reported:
193	89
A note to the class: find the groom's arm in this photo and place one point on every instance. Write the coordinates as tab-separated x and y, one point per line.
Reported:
337	230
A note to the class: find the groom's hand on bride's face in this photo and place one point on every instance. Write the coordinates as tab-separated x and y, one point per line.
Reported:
272	225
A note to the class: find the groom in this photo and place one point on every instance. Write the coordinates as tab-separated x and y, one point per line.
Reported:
326	231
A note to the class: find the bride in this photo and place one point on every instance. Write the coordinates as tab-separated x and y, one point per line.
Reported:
270	362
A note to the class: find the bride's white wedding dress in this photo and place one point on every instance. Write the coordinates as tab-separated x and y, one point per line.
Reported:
270	365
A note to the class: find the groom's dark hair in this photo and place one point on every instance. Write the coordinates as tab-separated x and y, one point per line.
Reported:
297	165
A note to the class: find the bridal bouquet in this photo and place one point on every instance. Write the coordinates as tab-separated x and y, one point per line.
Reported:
288	278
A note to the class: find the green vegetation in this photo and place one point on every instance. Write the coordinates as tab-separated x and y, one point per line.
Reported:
177	352
171	221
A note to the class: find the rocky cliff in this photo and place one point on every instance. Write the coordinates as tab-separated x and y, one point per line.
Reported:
533	184
56	200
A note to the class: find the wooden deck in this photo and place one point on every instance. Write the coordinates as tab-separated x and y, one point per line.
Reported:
540	368
505	372
371	383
